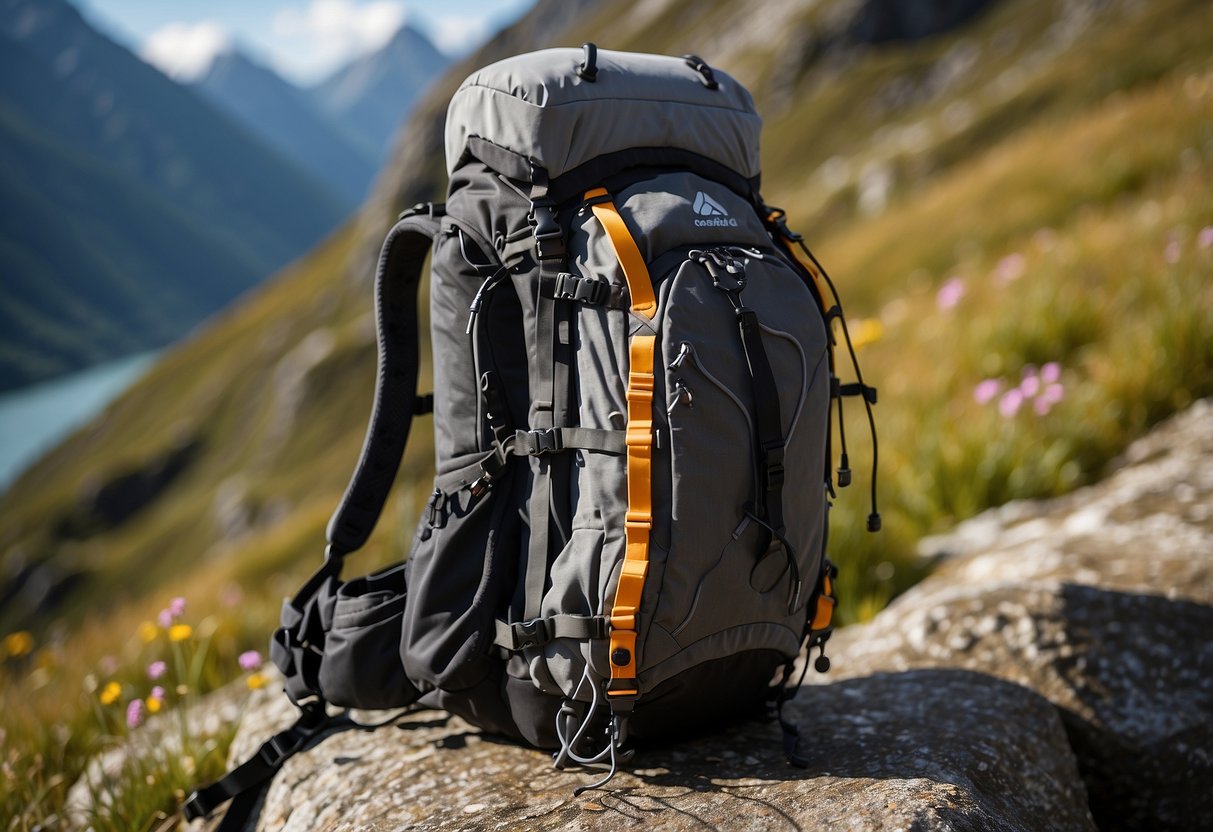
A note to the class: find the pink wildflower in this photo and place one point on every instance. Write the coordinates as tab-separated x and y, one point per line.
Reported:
1009	268
177	607
1053	393
1204	237
1050	373
156	669
1042	405
134	713
985	391
950	293
250	660
165	618
1010	402
157	693
1030	385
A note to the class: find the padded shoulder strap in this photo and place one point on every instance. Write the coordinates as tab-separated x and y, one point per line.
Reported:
396	283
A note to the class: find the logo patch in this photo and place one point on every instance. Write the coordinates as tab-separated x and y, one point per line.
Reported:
705	206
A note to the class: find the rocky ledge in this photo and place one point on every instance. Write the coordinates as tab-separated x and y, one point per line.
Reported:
1055	672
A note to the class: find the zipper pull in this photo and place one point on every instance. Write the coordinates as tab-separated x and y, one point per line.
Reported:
682	395
684	352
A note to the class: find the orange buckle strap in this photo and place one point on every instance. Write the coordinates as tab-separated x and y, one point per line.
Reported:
623	686
640	285
623	682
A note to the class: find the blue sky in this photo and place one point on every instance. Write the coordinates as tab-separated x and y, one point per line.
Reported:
303	40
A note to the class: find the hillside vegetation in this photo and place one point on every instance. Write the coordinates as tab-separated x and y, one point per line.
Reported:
1018	212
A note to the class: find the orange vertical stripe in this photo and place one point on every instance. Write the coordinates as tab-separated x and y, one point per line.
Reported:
640	285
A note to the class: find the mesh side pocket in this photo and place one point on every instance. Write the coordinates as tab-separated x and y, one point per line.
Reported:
361	667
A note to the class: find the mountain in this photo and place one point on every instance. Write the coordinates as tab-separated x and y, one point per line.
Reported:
286	118
130	208
1048	160
370	96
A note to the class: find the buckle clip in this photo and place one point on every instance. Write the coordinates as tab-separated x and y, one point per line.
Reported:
544	442
549	239
581	289
534	633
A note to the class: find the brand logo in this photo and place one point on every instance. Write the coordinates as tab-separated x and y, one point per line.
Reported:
705	206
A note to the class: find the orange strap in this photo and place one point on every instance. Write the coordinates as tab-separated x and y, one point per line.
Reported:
640	285
639	520
639	440
824	613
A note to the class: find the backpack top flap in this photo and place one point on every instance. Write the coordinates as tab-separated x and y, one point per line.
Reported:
539	107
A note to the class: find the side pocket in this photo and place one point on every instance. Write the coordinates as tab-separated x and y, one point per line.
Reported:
361	667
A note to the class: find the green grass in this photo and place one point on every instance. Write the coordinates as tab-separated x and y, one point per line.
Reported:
1115	287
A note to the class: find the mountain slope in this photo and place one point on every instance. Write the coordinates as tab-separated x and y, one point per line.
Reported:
285	118
189	210
1067	203
371	96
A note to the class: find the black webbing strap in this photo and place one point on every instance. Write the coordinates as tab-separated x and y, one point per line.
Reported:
396	400
767	421
245	784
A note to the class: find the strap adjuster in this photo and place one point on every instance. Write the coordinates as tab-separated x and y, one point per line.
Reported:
549	239
581	289
534	633
539	442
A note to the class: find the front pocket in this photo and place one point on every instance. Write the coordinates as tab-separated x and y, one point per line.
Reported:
721	574
361	667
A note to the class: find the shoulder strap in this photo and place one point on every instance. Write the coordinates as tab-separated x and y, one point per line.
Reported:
396	283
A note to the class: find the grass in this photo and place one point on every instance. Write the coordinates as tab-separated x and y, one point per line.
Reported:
69	702
1114	287
1070	214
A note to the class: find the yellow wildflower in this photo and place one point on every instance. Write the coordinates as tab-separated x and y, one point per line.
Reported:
148	631
154	705
19	643
180	632
256	681
110	693
866	331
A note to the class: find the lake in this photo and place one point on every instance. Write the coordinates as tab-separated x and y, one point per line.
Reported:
34	419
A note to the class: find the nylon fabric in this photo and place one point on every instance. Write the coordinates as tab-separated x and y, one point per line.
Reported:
535	107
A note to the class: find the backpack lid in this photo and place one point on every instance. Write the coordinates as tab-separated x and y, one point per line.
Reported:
537	106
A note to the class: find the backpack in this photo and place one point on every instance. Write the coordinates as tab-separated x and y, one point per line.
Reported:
633	365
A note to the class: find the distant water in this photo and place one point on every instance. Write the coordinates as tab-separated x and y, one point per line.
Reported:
34	419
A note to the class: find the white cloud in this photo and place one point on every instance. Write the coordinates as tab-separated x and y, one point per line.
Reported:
184	51
458	36
330	32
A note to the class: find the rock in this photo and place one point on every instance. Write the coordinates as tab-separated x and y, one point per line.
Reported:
1055	672
1101	601
890	751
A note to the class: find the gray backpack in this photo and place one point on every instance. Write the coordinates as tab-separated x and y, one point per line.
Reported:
633	373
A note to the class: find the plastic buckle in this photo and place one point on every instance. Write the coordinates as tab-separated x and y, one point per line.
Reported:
590	291
543	442
581	289
534	633
549	240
